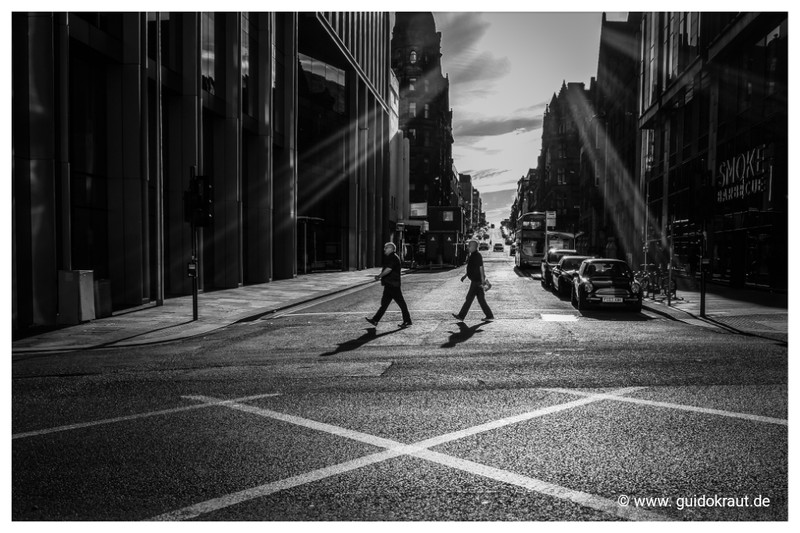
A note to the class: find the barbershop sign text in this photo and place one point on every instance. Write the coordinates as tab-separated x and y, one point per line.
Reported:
742	175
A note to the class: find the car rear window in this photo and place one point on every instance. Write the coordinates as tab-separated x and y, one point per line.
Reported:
571	264
610	269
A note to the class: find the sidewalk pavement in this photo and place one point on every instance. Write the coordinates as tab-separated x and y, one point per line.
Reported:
741	311
172	321
753	312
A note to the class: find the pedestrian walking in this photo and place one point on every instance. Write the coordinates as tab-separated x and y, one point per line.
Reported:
477	280
390	279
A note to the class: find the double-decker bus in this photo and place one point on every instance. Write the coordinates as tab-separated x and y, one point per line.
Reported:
531	238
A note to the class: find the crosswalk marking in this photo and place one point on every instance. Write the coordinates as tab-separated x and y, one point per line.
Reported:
419	449
681	407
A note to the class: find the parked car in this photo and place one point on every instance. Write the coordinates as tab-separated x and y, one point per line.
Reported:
498	247
606	283
564	271
552	257
484	246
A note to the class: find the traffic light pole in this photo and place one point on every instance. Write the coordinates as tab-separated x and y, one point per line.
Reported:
193	263
198	205
194	268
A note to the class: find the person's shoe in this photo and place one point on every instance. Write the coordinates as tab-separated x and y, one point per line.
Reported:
404	324
371	321
457	317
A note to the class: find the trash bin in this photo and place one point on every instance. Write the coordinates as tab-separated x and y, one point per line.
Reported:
75	296
102	298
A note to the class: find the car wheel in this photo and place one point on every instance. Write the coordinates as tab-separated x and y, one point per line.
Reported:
560	287
637	307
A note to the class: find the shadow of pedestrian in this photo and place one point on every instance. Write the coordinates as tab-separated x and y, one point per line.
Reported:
464	334
357	343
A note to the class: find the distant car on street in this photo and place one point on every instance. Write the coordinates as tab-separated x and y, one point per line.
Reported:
484	246
564	271
498	247
606	283
552	257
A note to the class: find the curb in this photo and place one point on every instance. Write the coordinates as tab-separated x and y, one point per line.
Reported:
710	322
245	317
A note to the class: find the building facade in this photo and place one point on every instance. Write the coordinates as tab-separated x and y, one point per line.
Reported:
558	171
425	114
611	210
713	161
286	115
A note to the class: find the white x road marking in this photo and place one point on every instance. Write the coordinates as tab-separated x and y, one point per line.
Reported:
421	450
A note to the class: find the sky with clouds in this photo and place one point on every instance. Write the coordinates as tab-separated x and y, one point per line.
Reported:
504	68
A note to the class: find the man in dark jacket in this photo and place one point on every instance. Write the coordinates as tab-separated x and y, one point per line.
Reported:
477	279
390	279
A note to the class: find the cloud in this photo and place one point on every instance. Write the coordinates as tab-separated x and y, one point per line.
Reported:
473	67
495	126
461	31
487	173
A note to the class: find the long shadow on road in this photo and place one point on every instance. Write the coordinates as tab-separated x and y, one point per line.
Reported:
616	315
357	343
465	333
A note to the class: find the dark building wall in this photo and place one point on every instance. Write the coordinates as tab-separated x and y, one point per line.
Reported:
559	164
425	116
112	110
720	100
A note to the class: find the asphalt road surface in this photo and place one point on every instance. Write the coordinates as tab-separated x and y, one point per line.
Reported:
545	413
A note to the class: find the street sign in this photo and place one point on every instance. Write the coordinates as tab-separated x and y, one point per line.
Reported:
551	218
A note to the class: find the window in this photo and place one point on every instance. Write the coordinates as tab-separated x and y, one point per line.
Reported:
562	176
412	109
447	216
427	111
413	57
208	44
562	126
412	134
562	151
412	84
427	84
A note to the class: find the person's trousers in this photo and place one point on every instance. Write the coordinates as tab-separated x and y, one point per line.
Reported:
389	294
475	290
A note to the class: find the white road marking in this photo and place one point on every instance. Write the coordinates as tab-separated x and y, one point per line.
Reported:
305	422
82	425
681	407
228	500
559	318
370	312
419	449
585	499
